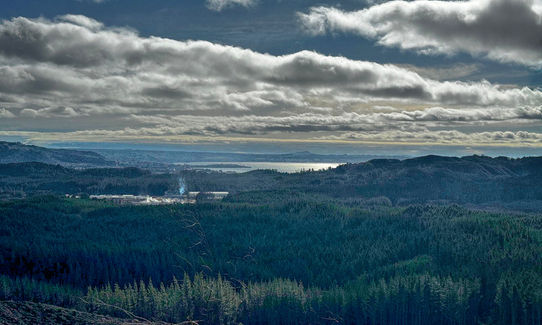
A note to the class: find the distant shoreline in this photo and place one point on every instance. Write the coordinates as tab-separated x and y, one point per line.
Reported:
214	166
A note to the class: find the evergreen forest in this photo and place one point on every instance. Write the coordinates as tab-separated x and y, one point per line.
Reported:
288	259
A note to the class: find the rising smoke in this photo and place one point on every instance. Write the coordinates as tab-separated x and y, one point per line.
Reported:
182	186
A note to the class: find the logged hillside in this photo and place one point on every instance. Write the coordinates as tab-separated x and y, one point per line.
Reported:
22	313
472	179
11	152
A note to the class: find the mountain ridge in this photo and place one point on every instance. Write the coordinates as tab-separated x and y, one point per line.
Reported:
16	152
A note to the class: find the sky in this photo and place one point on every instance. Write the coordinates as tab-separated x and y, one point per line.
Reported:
355	76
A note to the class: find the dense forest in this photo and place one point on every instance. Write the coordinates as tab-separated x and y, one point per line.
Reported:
291	258
19	180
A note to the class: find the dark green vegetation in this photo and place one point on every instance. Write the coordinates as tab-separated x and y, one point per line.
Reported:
290	258
29	179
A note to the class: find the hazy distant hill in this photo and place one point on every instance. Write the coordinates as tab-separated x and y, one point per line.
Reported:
145	157
14	152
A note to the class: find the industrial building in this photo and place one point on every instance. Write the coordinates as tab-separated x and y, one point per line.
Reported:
188	198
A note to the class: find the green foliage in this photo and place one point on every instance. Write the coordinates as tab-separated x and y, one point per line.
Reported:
38	291
29	179
287	260
420	299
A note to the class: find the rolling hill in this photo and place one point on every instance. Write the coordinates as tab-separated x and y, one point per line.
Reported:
15	152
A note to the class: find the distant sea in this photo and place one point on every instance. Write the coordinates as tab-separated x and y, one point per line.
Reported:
283	167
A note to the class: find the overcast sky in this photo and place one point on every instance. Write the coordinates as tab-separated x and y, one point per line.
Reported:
332	74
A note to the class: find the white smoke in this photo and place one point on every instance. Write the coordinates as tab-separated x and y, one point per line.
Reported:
182	186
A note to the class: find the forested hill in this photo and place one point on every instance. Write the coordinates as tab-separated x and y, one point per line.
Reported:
475	180
472	179
14	152
32	178
469	179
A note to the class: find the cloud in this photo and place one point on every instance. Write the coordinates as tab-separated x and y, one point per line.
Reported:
113	82
450	137
47	112
457	71
346	121
501	30
83	21
421	137
4	113
219	5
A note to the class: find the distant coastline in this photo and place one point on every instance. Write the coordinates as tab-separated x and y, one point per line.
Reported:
246	166
216	166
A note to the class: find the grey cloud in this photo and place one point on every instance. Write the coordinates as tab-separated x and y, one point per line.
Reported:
457	71
124	58
315	122
462	115
81	20
261	125
451	137
165	92
502	30
48	112
34	80
60	43
219	5
76	67
4	113
398	136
